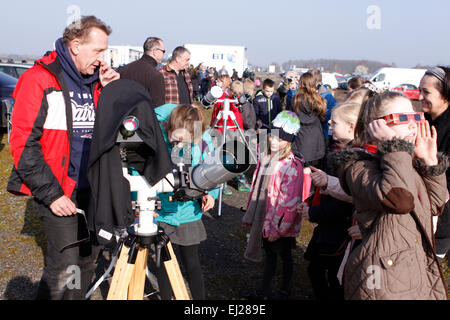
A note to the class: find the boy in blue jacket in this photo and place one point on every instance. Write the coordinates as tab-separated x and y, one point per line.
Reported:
267	104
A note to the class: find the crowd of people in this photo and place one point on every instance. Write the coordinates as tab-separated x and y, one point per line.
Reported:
379	170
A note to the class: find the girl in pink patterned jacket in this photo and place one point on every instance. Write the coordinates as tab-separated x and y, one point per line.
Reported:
272	214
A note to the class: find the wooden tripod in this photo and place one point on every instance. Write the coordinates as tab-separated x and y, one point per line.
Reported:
129	276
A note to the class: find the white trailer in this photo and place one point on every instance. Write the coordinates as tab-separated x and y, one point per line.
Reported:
232	57
117	56
394	77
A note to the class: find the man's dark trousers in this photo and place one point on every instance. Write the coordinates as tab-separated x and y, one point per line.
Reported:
67	274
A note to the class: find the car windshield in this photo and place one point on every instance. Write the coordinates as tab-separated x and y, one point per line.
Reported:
21	70
379	77
7	80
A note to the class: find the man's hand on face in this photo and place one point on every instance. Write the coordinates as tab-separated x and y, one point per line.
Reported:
107	74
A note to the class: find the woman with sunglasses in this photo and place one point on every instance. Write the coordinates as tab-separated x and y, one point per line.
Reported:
435	99
397	180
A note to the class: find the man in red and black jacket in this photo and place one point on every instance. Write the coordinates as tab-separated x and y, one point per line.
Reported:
52	126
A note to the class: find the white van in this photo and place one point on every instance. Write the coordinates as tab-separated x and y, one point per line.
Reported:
330	80
394	77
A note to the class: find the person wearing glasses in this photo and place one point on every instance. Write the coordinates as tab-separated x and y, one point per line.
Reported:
396	178
144	70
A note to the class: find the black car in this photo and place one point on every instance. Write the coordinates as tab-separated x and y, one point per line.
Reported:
7	86
14	69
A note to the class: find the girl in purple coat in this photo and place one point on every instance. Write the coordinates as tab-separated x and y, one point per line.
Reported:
275	194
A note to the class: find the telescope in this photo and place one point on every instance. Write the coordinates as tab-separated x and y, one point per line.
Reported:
211	97
129	167
186	182
215	93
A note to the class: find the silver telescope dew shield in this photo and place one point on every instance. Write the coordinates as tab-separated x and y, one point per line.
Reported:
225	163
211	97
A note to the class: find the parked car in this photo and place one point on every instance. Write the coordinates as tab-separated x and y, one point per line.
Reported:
343	81
409	90
14	69
395	77
7	86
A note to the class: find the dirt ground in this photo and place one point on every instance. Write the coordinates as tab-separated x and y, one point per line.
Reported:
226	272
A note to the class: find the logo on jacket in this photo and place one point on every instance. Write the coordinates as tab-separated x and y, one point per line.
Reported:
83	116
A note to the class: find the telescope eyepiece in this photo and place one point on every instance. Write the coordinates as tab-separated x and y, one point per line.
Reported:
129	126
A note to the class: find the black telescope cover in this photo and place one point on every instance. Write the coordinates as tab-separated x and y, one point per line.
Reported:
110	204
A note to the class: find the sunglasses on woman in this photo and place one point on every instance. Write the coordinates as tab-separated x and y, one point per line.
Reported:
402	118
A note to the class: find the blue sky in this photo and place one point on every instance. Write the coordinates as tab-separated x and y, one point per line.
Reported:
404	32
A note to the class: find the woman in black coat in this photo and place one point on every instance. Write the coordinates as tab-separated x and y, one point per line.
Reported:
435	99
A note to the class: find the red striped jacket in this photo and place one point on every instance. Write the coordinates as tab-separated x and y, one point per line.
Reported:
41	132
171	86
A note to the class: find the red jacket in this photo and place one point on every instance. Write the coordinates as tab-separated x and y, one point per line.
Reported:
41	132
230	124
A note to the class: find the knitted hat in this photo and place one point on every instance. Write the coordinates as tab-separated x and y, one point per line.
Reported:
288	125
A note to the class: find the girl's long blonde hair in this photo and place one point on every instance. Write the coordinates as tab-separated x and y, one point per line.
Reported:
347	111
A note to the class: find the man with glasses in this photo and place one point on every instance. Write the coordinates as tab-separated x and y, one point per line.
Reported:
144	70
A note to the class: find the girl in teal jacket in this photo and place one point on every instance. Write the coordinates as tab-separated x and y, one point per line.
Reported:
182	126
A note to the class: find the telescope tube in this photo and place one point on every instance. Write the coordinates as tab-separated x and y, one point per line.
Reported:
222	165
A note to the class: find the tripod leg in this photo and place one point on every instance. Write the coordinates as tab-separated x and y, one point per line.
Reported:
219	209
218	117
121	278
137	284
175	277
103	277
243	139
152	279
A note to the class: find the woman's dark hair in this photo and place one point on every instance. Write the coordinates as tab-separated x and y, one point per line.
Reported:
444	86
